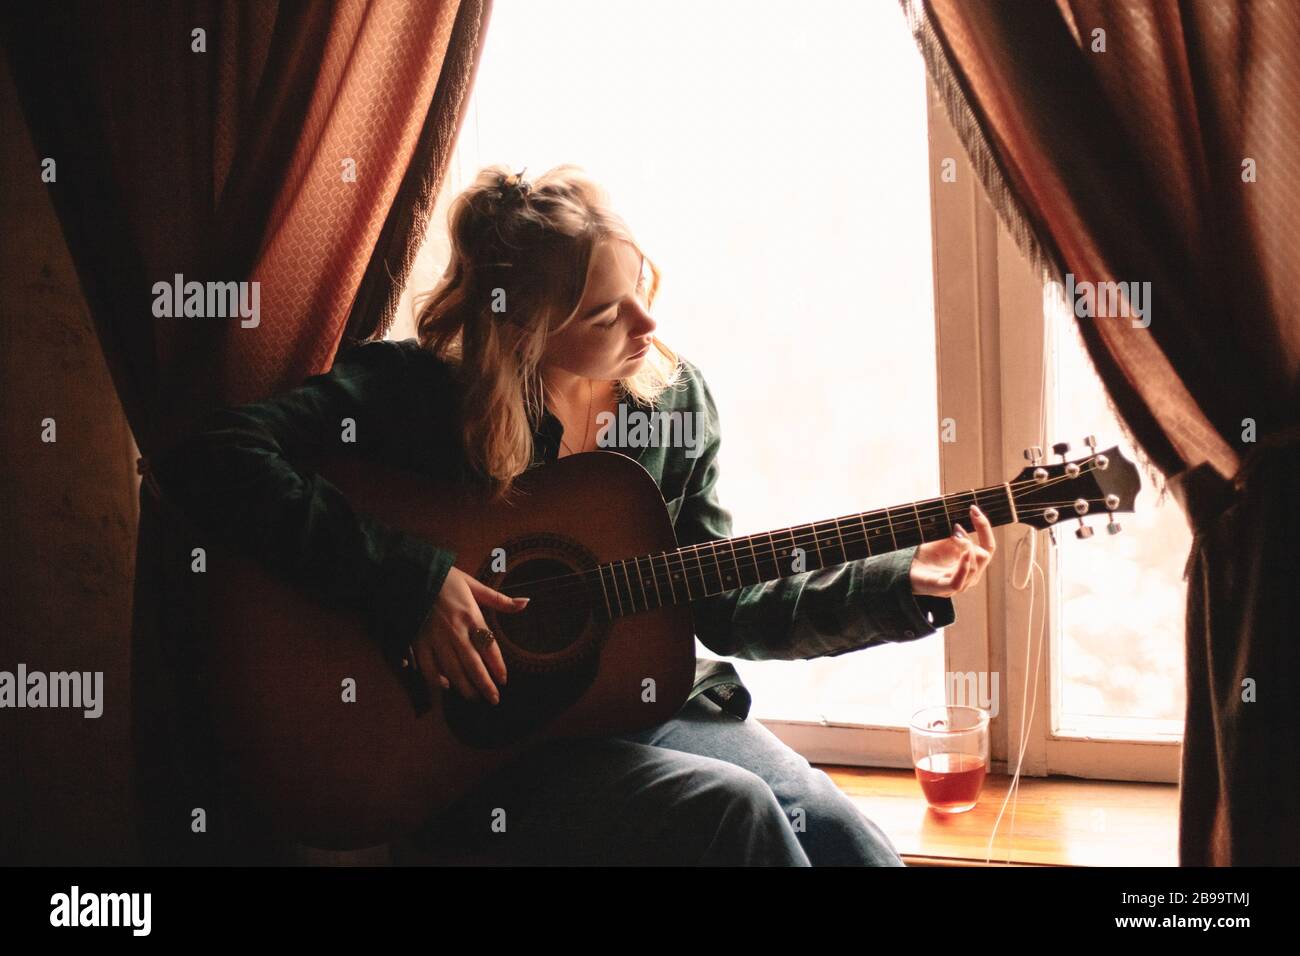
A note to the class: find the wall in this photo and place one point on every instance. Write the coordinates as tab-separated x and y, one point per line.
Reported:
67	535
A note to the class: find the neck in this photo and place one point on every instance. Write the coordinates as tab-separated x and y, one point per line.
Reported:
690	573
572	390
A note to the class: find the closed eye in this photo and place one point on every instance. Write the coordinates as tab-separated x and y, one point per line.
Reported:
640	289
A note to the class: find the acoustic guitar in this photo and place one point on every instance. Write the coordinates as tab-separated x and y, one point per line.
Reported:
319	732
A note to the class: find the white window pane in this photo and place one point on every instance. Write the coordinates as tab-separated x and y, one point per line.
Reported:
1121	598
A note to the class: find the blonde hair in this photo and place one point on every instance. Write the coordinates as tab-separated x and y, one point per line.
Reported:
529	248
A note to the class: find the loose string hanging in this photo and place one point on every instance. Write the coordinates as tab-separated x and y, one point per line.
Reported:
1013	791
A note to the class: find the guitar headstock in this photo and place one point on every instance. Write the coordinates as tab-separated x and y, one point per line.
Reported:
1097	483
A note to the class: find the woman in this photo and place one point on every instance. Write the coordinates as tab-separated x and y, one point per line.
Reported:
538	331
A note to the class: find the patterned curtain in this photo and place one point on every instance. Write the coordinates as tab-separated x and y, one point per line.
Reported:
291	149
1153	141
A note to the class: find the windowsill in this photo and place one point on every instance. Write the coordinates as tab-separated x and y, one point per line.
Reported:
1059	821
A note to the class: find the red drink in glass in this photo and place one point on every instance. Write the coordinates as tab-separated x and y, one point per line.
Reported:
950	753
951	782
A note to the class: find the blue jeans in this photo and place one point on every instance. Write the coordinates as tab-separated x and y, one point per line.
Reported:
703	788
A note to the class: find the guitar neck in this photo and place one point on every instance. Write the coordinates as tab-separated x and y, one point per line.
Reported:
698	571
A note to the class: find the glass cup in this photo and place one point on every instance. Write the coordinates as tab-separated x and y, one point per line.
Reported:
950	753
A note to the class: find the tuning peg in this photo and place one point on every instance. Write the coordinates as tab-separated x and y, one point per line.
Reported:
1091	442
1051	533
1113	527
1060	448
1034	454
1081	509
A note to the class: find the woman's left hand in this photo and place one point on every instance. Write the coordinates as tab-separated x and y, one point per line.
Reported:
948	567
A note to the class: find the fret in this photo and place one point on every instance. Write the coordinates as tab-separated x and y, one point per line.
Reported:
617	597
605	591
753	555
735	565
966	507
932	522
722	580
866	534
946	516
695	568
891	528
681	563
1011	502
776	558
920	533
631	598
821	563
794	546
989	509
962	508
644	596
655	577
844	552
632	595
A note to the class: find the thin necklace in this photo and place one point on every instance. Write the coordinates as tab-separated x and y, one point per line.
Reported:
586	426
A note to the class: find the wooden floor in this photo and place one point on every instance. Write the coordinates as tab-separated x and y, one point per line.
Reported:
1059	821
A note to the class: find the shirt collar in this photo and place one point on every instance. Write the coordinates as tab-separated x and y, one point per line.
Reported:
549	431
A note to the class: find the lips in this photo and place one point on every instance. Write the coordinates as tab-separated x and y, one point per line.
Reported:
639	354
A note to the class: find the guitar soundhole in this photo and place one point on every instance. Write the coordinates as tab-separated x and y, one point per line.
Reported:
553	620
551	648
558	627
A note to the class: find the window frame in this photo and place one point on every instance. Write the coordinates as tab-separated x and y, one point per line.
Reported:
989	305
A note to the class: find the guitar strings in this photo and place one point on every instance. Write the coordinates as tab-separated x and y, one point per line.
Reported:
659	578
876	522
693	557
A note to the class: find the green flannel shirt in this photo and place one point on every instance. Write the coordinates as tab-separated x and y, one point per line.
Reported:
240	478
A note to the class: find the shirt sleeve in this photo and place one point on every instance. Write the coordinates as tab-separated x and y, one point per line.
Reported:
239	479
811	614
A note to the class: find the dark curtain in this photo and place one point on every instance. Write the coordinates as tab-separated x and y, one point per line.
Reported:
297	145
1154	141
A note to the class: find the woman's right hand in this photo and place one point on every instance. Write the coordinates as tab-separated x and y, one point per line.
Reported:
443	649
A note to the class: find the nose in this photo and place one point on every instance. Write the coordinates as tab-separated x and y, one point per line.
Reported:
643	323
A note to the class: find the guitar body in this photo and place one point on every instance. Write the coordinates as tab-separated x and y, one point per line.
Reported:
341	773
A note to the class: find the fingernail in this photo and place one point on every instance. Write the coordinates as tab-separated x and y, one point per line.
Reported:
959	530
975	510
522	601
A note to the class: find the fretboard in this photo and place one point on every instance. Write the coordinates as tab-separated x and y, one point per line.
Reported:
697	571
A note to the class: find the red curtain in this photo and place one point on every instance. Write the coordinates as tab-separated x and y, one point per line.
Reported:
298	146
1153	141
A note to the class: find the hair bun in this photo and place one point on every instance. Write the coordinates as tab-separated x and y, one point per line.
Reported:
513	187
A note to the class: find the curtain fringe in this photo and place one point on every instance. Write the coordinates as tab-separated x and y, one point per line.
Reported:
1003	199
972	138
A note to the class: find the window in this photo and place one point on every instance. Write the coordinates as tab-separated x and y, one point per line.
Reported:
787	200
843	300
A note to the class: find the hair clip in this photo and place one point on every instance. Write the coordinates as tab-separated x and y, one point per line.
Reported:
516	182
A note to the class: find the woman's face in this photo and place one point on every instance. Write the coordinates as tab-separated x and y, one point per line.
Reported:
609	337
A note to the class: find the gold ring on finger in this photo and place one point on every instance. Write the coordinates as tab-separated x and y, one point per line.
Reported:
481	638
